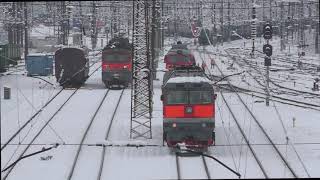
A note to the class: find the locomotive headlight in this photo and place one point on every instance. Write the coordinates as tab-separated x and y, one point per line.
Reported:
203	125
189	110
174	125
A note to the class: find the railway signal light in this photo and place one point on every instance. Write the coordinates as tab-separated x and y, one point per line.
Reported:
253	12
267	61
267	31
267	49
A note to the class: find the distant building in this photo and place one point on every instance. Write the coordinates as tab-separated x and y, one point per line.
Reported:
3	35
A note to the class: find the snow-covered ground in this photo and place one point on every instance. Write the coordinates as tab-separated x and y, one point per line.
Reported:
300	125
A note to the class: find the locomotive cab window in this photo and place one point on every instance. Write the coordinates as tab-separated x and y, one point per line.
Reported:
179	58
200	97
177	97
116	57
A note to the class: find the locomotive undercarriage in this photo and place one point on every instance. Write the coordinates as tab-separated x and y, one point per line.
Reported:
116	79
197	135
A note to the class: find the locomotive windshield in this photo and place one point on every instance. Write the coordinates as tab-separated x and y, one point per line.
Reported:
199	97
179	59
189	97
177	97
116	57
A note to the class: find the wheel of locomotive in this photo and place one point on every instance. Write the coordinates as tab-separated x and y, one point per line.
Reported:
126	84
164	136
214	137
106	83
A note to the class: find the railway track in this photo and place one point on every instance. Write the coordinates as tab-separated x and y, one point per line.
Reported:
290	91
107	137
199	160
39	112
76	160
85	135
282	162
262	130
42	128
276	98
276	84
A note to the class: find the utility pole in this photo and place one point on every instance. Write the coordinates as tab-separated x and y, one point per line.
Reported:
26	52
162	24
229	22
253	27
270	10
142	90
267	49
221	23
20	25
213	19
153	38
94	26
301	33
81	23
175	20
263	14
317	34
282	44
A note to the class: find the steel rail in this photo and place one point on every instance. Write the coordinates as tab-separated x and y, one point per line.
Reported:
36	114
262	129
245	138
107	137
295	101
206	167
179	167
278	85
45	125
85	135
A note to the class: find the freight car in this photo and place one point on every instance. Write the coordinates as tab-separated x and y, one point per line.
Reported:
117	63
9	54
179	55
71	66
188	109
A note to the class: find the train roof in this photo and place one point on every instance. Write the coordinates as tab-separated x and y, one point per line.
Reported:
188	79
182	76
179	51
118	43
179	46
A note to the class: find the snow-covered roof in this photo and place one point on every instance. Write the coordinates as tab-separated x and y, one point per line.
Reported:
41	32
37	54
194	79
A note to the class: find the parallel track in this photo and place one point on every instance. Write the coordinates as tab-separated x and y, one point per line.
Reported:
43	127
107	137
281	99
38	112
85	135
205	166
261	128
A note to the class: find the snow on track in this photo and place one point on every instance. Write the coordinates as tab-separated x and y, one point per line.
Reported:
68	124
191	168
96	134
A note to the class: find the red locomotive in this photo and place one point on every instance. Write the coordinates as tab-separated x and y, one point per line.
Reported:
117	63
188	108
179	56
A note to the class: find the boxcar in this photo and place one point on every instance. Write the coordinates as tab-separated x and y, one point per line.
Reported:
71	66
9	54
